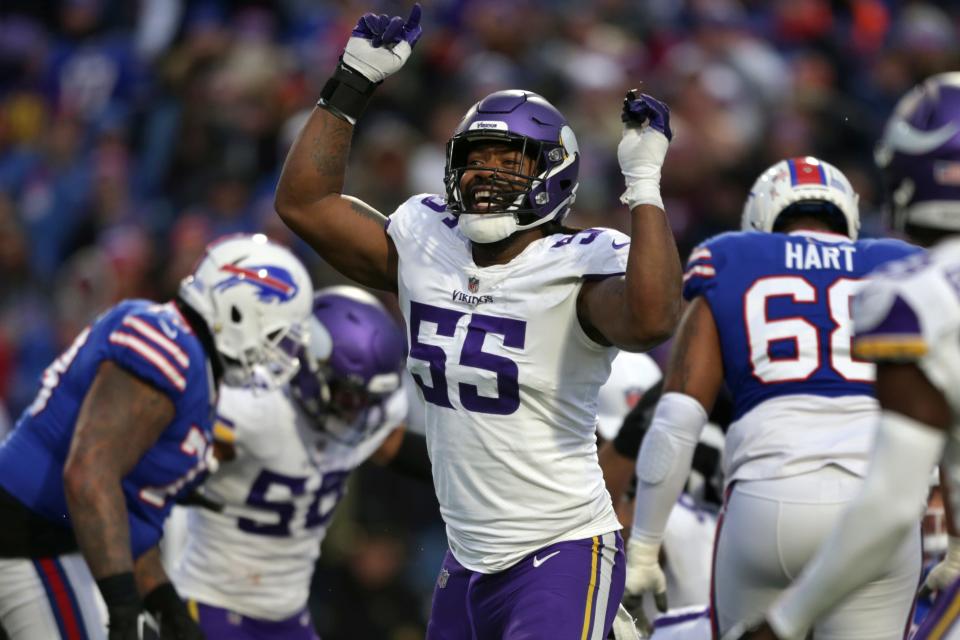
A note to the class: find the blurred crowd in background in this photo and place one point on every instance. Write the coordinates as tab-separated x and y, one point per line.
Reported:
133	132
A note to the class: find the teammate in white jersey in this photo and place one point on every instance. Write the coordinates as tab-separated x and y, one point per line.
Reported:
687	547
908	321
512	322
249	556
769	317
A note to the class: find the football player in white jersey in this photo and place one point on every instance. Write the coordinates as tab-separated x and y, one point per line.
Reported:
769	317
624	399
513	321
249	556
908	321
687	546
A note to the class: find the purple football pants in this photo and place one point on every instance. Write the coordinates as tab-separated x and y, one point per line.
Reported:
567	591
224	624
942	621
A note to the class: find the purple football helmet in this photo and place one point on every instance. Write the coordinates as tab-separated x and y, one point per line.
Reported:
534	126
919	155
351	365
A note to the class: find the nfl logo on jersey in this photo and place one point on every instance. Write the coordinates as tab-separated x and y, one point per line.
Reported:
473	284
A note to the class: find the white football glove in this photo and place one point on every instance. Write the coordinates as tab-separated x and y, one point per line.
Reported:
644	576
380	45
624	626
641	152
947	570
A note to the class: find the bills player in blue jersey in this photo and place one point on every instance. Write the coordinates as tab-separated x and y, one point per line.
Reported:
769	316
249	556
121	427
907	320
513	322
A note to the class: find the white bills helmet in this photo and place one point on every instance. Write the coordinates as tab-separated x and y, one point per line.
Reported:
255	297
802	186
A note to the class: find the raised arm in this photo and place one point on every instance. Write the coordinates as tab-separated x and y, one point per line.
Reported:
120	419
347	233
641	309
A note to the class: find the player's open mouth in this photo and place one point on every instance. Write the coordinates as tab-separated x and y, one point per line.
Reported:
481	198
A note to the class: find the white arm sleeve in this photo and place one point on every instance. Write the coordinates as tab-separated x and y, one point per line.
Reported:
664	462
871	529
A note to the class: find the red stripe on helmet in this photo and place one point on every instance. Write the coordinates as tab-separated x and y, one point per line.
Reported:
806	171
270	281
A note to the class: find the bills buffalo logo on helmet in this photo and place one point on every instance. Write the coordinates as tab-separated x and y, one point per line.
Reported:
273	282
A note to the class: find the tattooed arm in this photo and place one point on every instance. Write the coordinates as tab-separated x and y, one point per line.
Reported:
121	417
696	364
347	233
149	572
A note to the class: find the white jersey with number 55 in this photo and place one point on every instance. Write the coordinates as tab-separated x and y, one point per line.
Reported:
510	382
257	556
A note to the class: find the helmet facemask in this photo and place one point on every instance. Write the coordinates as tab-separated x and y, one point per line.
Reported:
510	191
350	366
269	362
517	200
340	408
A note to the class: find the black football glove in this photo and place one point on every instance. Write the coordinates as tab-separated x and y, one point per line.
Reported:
171	614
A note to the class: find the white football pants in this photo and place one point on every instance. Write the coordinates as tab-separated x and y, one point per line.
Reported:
768	532
50	598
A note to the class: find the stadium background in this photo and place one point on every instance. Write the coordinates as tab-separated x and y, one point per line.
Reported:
131	133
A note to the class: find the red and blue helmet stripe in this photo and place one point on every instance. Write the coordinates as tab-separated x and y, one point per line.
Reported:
806	171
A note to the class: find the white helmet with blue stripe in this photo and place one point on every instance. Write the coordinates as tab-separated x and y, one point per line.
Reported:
802	186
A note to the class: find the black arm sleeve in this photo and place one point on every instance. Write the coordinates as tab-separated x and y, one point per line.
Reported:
412	459
635	424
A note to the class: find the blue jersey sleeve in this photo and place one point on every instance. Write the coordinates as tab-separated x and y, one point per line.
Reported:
151	346
703	265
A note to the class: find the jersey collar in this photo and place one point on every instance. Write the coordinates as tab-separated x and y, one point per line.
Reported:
826	236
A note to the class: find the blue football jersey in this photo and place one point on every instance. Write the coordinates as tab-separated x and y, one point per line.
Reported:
781	303
155	343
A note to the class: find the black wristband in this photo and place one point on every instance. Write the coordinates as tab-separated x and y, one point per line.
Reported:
119	590
346	93
162	599
412	459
